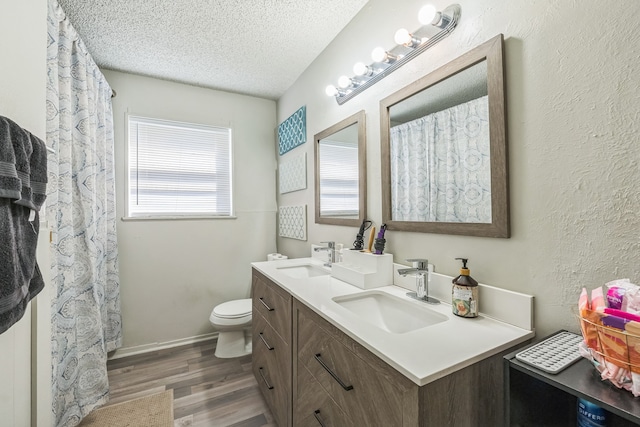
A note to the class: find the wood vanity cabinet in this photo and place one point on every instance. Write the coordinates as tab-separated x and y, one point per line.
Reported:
334	381
342	383
271	340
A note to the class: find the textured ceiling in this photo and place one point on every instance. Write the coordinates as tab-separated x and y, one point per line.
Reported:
253	47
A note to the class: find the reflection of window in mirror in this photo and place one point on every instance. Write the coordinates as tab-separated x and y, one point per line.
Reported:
340	173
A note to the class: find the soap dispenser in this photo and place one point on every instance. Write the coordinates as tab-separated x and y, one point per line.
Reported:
464	301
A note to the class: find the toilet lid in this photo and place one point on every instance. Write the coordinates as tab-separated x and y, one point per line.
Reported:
233	309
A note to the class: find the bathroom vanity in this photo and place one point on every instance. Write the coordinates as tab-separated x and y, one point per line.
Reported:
319	364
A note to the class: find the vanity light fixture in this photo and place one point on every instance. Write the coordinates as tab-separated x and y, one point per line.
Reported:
436	25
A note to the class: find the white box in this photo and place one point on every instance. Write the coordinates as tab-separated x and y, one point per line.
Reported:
363	269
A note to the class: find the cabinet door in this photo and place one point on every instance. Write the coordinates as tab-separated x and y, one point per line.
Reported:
360	390
272	369
274	304
314	407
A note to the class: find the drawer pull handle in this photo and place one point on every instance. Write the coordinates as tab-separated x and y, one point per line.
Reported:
316	414
335	377
265	304
269	386
269	347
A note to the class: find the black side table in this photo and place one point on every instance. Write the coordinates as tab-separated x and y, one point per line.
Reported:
536	398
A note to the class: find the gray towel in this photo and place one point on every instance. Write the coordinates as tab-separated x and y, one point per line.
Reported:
10	183
20	278
23	177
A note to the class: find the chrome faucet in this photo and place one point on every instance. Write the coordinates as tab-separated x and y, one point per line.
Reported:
421	272
331	250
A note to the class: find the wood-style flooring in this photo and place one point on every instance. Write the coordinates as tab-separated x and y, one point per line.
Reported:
207	391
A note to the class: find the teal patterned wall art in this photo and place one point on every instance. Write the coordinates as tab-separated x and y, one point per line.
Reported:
293	131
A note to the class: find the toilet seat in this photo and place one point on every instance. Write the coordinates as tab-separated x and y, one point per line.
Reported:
233	309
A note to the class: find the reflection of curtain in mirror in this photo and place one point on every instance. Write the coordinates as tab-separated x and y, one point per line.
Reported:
440	168
339	192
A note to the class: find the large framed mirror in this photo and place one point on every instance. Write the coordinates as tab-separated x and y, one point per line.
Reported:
444	149
340	172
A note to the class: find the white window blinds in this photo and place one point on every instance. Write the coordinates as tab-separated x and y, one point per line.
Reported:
339	192
178	169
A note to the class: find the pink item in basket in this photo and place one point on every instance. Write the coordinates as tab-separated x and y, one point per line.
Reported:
623	314
614	297
597	299
615	290
583	302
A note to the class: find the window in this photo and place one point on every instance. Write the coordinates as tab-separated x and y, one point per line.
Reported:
178	169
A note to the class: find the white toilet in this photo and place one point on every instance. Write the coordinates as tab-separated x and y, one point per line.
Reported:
232	319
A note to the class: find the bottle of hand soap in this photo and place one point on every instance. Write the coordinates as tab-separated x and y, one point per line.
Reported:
464	301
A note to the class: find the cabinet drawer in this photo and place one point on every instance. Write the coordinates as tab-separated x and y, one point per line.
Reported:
272	369
357	387
314	407
272	305
265	339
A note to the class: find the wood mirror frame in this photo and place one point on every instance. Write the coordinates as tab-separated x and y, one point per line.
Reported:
492	52
358	120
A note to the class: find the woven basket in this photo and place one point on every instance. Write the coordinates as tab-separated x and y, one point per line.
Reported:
622	348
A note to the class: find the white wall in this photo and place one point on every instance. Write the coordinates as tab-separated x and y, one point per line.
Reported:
23	34
173	272
572	90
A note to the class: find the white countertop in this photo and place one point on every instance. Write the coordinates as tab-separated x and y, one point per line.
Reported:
423	355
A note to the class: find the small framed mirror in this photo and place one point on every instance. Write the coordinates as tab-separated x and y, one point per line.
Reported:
444	149
340	173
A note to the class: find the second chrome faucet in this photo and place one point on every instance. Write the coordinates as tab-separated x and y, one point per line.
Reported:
331	250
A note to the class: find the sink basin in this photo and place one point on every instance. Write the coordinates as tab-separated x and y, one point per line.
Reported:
388	312
303	271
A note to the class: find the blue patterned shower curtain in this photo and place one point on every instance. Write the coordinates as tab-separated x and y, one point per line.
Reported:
86	319
440	166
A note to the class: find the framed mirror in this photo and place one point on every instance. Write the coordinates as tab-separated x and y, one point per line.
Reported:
340	173
444	149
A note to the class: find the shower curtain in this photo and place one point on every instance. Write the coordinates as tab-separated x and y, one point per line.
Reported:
86	320
440	166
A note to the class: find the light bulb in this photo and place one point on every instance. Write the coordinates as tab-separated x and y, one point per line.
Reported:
359	69
331	90
344	82
405	38
428	15
402	36
379	54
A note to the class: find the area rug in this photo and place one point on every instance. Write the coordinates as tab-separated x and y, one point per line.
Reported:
155	410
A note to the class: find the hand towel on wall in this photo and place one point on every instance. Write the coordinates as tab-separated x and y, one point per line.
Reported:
23	178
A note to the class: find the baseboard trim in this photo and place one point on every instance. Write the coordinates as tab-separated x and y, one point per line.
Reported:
146	348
